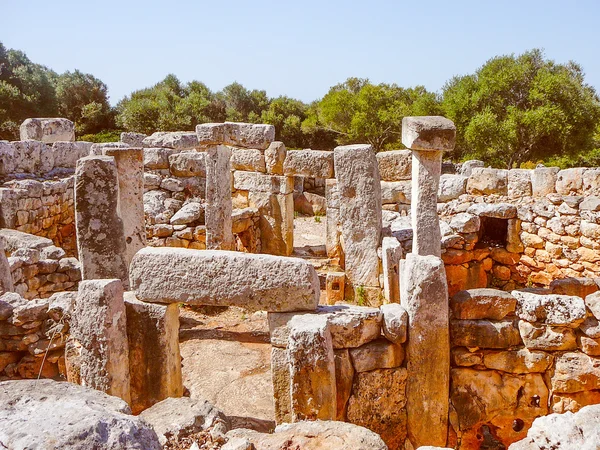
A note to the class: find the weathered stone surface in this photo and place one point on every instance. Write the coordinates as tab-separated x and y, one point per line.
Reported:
496	210
344	377
543	181
179	140
384	414
395	165
258	182
264	282
544	337
188	164
467	167
592	301
176	418
591	327
248	135
32	157
561	402
496	400
98	148
7	158
248	159
154	358
359	190
219	234
570	181
391	254
191	212
451	187
353	326
424	295
280	373
393	192
309	163
484	333
48	130
318	435
428	133
564	431
466	358
66	154
6	281
519	183
50	414
465	223
575	372
379	354
100	237
276	221
582	287
99	325
133	139
274	158
312	369
561	310
486	181
130	170
482	304
157	158
518	361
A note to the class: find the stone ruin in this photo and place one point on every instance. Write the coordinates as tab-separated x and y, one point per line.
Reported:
456	306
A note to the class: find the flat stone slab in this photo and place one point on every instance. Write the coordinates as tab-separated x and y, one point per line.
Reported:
429	133
224	278
553	309
309	163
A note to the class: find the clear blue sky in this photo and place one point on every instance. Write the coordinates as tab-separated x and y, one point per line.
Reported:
295	48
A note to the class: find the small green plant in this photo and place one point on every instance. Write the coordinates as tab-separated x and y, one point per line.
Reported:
296	214
361	295
318	219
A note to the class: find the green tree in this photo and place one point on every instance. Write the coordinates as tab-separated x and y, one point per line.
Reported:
287	114
358	111
243	105
519	108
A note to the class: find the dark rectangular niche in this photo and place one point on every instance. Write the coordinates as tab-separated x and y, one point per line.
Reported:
492	232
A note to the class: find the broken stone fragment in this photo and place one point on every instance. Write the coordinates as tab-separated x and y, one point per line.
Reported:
395	322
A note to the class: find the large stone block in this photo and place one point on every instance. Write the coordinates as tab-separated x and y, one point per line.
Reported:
259	182
424	295
157	158
179	140
570	181
519	183
275	157
66	154
100	236
451	187
428	133
309	163
249	135
48	130
546	337
154	358
7	158
394	192
395	165
550	309
99	326
132	138
359	190
219	206
6	281
32	157
543	181
482	304
254	281
249	159
188	164
575	372
484	333
486	181
276	221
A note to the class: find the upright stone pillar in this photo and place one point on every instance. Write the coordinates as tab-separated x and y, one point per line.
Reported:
219	235
130	169
333	243
391	254
6	281
99	329
100	238
359	190
428	137
423	286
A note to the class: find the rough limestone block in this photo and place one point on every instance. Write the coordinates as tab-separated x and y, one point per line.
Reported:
210	133
7	158
249	159
99	326
451	187
359	191
66	154
379	354
157	158
333	244
6	281
276	221
188	164
219	231
395	323
496	210
575	372
550	309
428	133
334	286
570	181
487	181
133	139
178	140
543	181
97	149
222	278
259	182
424	295
484	333
482	304
274	158
154	358
395	165
312	369
545	337
391	254
394	192
519	183
582	287
48	130
467	167
344	378
309	163
591	181
280	373
100	237
130	169
518	361
248	135
33	157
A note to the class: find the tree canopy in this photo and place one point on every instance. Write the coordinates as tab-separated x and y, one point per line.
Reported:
519	108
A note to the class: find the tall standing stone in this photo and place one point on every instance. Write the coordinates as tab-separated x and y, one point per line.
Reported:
154	357
6	281
99	327
359	191
428	137
391	254
100	238
130	169
219	235
424	295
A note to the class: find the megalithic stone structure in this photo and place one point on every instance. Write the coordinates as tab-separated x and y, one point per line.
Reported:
6	281
130	169
219	234
100	236
423	286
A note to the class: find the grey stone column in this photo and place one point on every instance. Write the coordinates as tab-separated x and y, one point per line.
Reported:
100	238
130	169
219	235
6	281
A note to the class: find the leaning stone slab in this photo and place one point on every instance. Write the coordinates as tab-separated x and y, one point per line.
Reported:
254	281
309	163
48	130
312	369
154	358
428	133
179	140
99	325
100	235
482	304
550	309
45	414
